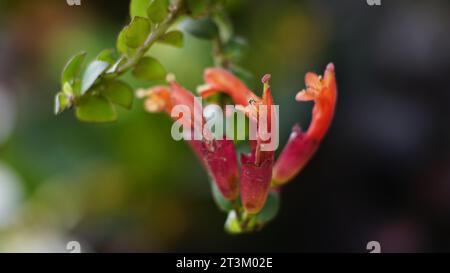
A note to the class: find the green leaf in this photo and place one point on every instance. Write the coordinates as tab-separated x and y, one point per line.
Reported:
197	8
138	8
270	209
121	43
157	10
62	102
72	68
173	38
76	87
95	108
106	55
116	65
203	28
225	26
235	49
137	32
118	93
93	71
149	69
223	204
232	224
67	89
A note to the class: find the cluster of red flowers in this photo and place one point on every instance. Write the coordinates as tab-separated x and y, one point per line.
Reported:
258	171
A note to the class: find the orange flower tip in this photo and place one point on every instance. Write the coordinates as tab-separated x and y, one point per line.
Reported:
155	104
170	78
304	95
266	78
266	89
313	81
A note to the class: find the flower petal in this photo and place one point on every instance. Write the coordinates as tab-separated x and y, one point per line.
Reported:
158	99
302	146
221	163
304	95
295	155
220	80
255	183
256	168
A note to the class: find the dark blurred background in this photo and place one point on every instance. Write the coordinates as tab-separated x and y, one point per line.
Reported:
382	173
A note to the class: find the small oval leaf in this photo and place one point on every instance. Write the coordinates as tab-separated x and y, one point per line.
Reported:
67	89
157	10
149	69
62	102
173	38
137	32
118	93
225	26
203	28
106	55
114	67
236	49
76	87
121	43
138	8
72	68
93	71
95	109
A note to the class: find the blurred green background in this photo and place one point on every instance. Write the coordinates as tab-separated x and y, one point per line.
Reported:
381	174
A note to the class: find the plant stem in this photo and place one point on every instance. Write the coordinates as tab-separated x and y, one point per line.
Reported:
219	57
159	31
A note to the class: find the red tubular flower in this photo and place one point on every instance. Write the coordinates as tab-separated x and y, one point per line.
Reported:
221	163
218	156
255	182
302	146
256	167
